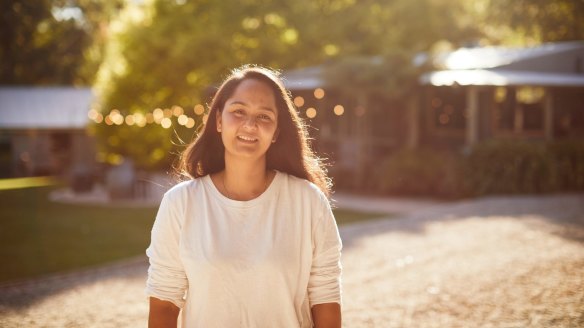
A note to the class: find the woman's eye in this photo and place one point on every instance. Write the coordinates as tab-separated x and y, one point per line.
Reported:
265	117
238	112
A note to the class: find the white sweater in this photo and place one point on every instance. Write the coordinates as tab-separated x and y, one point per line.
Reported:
257	263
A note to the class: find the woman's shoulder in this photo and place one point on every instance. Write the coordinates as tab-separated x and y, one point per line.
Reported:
303	186
183	188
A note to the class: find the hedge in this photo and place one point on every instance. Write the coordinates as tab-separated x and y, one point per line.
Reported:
492	167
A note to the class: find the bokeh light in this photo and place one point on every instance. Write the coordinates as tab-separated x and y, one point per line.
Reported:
177	111
92	114
130	120
166	123
311	112
299	101
199	109
339	110
318	93
444	118
183	119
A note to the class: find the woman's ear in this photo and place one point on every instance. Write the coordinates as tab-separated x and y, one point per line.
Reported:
276	134
218	120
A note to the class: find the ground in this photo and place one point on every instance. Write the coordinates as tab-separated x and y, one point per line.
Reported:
492	262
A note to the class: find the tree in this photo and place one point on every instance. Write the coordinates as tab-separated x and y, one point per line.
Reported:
525	22
53	42
169	53
36	47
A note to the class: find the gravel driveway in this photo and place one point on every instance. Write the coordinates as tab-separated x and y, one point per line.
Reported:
491	262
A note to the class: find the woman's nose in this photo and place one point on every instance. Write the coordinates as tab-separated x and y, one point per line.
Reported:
250	122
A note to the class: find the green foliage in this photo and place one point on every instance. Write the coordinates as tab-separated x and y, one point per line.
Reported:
534	21
512	167
165	53
422	172
389	76
492	167
36	47
568	157
149	147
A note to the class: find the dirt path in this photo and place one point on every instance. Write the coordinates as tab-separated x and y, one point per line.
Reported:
493	262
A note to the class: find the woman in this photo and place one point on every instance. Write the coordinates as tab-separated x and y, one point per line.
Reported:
250	239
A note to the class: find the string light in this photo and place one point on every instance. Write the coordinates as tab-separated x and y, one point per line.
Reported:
118	119
299	101
318	93
165	116
190	123
158	115
92	114
177	111
183	119
130	120
444	118
199	109
166	123
149	118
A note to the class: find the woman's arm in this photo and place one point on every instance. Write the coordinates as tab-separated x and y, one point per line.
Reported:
163	314
327	315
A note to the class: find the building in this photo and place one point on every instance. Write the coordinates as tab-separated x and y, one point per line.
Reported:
352	123
477	94
43	130
473	94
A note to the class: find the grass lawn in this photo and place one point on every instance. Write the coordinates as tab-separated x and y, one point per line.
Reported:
38	236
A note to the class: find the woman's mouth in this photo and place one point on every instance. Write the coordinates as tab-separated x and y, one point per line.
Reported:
247	139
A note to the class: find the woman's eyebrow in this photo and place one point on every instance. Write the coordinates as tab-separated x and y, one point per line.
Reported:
239	102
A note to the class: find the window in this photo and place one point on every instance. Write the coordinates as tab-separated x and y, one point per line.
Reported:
519	111
447	110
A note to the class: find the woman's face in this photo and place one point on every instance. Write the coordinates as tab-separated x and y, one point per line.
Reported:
248	122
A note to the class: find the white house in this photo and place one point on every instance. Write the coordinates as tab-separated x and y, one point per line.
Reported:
43	130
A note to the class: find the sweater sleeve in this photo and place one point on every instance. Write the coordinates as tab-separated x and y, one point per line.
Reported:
324	284
166	276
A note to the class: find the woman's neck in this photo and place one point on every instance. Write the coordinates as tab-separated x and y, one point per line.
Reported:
244	180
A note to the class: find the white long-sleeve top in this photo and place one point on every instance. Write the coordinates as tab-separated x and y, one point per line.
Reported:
258	263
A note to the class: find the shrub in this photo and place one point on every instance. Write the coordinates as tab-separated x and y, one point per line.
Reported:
491	167
422	172
568	157
497	167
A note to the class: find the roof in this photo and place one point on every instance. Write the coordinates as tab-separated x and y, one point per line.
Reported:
552	64
44	107
501	78
304	78
497	57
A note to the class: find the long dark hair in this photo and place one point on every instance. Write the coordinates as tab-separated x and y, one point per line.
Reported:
290	153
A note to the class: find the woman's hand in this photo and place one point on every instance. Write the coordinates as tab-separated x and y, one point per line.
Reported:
327	315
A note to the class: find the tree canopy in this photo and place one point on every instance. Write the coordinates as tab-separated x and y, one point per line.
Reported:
164	54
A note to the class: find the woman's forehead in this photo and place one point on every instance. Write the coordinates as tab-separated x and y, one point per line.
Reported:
253	92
